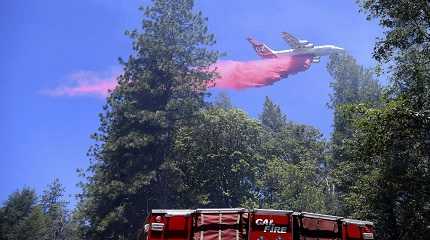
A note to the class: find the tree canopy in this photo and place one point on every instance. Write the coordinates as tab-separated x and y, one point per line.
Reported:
160	144
162	88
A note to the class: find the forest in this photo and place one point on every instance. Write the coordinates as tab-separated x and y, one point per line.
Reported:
162	144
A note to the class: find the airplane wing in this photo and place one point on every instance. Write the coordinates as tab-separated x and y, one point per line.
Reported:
291	40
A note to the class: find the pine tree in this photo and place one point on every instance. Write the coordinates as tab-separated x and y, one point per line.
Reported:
162	88
291	177
222	100
22	218
272	117
54	208
351	84
390	146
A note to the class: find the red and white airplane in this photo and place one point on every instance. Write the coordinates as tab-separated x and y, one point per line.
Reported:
299	47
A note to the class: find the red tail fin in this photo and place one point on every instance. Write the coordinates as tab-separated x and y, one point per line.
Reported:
261	49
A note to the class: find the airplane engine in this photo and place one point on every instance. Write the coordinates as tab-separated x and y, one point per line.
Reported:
304	42
309	45
316	60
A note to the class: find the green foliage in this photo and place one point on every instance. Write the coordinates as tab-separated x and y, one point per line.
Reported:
406	23
228	159
54	207
160	145
161	89
390	170
219	158
386	178
295	143
351	84
293	186
31	227
222	100
22	218
405	47
292	176
272	116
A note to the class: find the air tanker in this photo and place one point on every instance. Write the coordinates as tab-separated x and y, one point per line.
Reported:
298	48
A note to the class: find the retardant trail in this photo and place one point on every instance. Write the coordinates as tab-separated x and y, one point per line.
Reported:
231	75
258	73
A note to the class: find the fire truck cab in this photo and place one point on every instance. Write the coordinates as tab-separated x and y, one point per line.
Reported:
257	224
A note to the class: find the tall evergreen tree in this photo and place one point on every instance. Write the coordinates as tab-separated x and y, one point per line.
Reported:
289	141
291	177
162	88
22	218
54	207
386	180
272	117
351	84
222	100
391	144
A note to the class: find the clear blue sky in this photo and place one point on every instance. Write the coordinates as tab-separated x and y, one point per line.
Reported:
43	42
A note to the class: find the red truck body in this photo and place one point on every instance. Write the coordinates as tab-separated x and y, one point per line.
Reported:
258	224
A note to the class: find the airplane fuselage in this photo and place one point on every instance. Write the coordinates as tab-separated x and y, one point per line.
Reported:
316	51
299	48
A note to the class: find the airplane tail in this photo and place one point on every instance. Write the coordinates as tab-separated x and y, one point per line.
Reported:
261	49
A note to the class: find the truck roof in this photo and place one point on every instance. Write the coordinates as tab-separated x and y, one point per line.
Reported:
272	211
320	216
359	222
173	211
185	212
199	210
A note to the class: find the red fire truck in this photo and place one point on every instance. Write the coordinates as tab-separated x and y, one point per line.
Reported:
258	224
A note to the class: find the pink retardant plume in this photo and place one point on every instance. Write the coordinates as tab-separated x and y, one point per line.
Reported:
99	89
87	83
231	75
258	73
